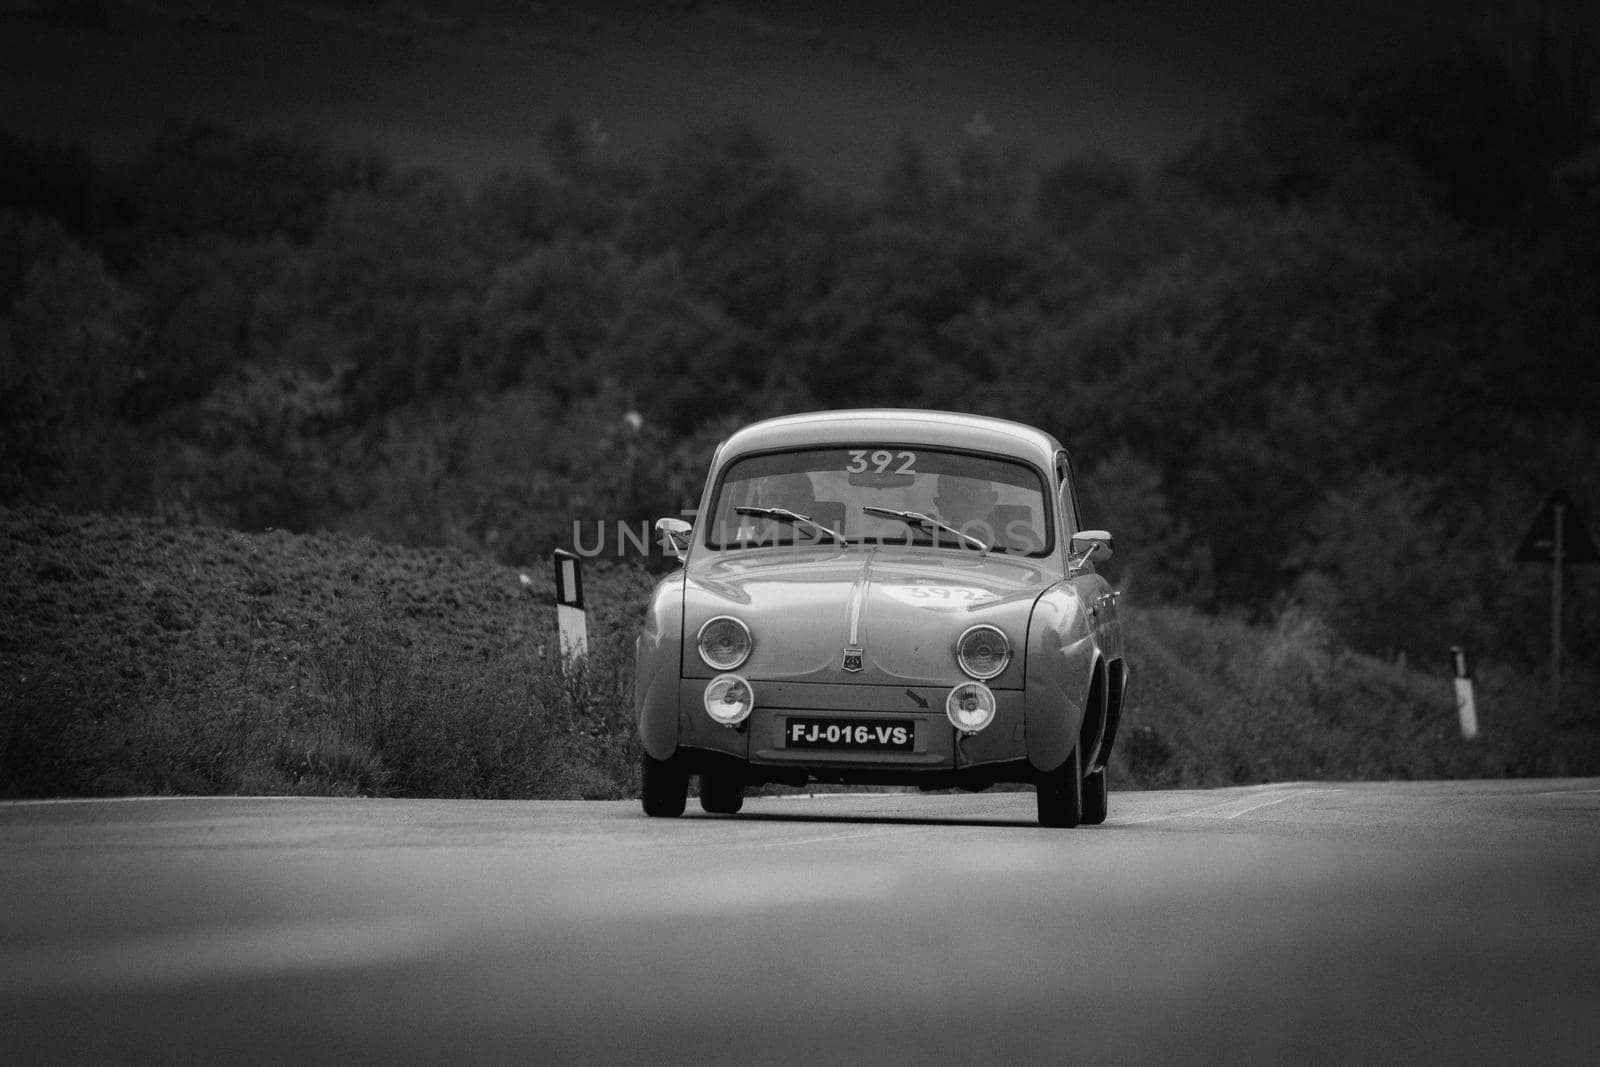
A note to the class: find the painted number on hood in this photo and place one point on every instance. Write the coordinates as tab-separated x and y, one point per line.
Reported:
938	596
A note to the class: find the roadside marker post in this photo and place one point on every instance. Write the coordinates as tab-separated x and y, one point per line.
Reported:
571	622
1560	537
1466	707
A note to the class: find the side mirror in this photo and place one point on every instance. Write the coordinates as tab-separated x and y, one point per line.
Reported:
675	536
1089	546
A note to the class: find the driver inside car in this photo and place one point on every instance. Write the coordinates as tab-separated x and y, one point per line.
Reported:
967	504
793	492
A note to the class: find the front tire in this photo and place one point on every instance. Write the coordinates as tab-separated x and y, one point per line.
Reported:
721	794
1096	792
664	787
1060	793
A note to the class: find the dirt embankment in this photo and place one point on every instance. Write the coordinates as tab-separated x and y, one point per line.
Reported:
123	638
139	599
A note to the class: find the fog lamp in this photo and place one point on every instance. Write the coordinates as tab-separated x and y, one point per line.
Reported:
729	699
970	707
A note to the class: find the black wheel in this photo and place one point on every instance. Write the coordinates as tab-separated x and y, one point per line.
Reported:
665	787
1095	792
721	794
1060	793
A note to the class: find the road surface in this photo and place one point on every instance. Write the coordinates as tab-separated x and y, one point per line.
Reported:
1303	922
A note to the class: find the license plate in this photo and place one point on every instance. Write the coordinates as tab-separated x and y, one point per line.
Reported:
878	735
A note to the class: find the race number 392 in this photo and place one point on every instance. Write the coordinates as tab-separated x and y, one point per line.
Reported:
881	461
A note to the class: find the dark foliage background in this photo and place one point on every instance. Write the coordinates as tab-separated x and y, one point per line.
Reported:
1328	359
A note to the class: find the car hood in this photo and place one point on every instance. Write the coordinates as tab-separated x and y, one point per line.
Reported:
903	608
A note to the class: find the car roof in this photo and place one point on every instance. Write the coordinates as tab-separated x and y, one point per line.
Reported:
947	429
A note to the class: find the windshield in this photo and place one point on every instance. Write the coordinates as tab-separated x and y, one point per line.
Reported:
1001	503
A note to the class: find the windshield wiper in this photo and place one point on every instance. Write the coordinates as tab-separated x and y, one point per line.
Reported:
785	515
927	522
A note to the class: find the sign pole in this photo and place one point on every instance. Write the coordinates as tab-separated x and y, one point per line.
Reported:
1559	536
1558	557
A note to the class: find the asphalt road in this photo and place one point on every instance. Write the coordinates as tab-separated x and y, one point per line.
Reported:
1302	922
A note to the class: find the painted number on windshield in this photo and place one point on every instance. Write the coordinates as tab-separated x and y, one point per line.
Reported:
881	461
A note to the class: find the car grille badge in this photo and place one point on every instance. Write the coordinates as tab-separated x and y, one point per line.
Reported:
852	659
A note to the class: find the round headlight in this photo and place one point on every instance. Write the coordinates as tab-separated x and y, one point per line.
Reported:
729	699
724	643
970	707
983	651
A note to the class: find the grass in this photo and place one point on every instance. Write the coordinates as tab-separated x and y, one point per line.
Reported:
141	657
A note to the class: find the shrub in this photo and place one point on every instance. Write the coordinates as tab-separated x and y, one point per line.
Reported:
1215	701
148	658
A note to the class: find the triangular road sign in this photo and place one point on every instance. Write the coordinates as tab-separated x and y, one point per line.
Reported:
1539	546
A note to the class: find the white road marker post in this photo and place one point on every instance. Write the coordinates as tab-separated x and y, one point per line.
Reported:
571	622
1466	707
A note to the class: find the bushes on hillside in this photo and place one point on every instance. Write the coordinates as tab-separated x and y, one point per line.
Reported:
256	332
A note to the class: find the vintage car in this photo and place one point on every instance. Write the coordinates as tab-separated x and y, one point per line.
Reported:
883	597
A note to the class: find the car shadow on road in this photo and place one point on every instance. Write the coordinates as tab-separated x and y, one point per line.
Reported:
868	820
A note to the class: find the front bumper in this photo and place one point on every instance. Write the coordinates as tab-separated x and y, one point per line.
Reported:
938	746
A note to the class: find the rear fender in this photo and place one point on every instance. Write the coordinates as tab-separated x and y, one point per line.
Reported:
1116	699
